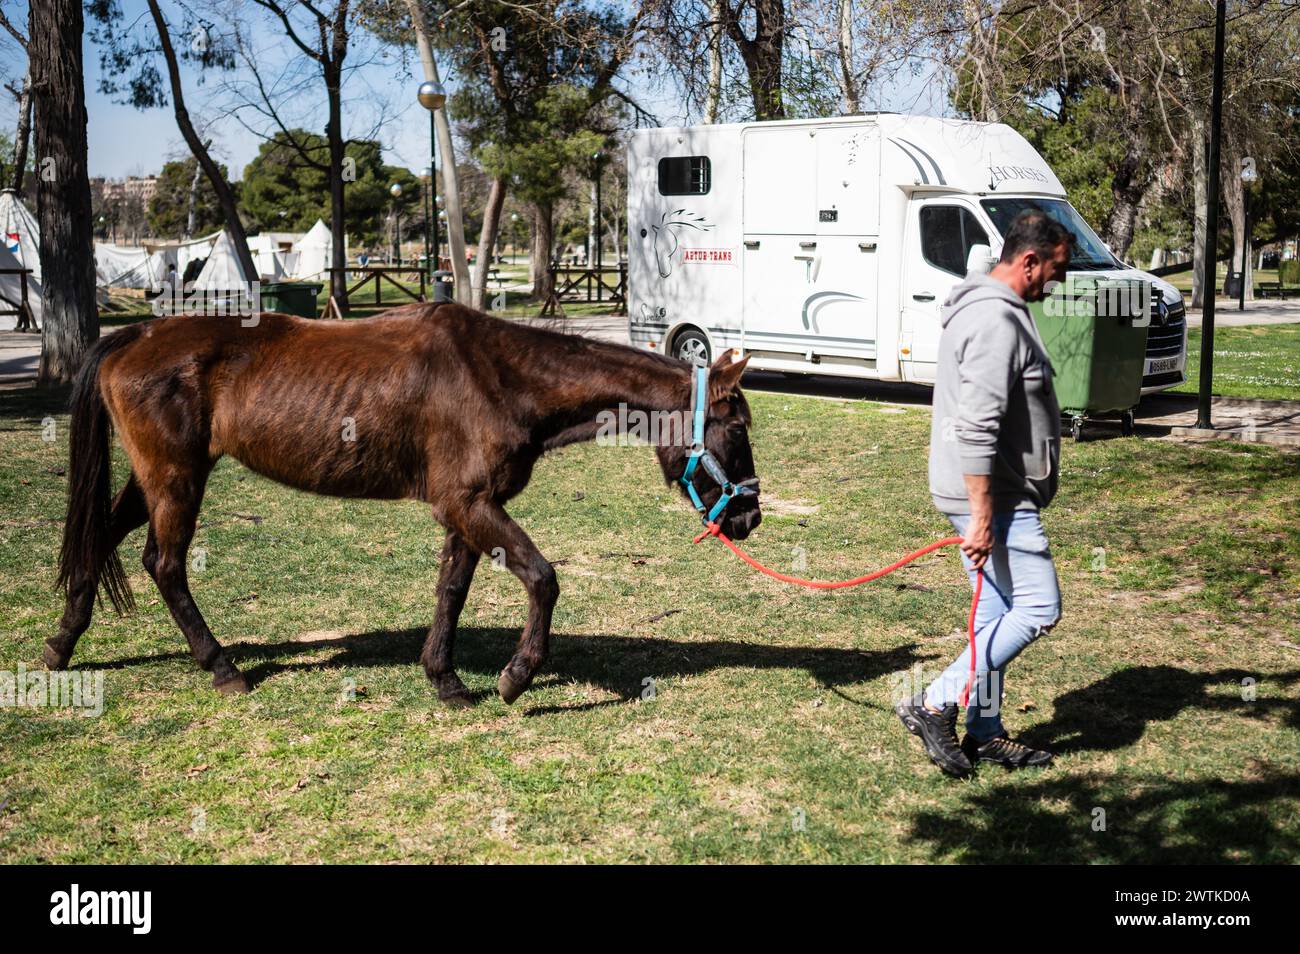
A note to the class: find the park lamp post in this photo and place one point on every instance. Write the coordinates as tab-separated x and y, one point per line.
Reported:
432	96
428	218
395	190
514	225
1248	178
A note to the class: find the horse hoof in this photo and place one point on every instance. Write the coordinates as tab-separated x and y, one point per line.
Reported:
510	688
451	691
54	659
235	686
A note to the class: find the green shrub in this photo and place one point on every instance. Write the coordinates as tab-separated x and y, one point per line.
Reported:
1289	272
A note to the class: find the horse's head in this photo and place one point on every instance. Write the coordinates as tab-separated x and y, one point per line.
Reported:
726	439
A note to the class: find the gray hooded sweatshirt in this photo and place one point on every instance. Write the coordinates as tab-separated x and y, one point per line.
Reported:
995	409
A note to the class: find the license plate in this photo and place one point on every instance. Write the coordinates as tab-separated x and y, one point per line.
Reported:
1159	365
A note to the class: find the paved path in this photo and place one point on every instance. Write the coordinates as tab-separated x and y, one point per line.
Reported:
20	356
1264	312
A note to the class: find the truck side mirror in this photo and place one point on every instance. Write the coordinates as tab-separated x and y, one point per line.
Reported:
979	260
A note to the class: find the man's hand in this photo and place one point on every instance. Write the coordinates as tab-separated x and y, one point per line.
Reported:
978	541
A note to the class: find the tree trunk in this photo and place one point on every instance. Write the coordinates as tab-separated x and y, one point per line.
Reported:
487	240
1234	197
762	55
540	255
23	134
1201	197
334	135
1127	186
71	321
192	211
225	196
713	99
447	150
848	87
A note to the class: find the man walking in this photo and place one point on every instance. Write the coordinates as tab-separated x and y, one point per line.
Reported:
994	451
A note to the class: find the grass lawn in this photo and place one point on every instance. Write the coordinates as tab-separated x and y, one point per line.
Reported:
691	710
1257	361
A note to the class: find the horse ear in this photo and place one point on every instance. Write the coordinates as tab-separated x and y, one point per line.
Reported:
724	376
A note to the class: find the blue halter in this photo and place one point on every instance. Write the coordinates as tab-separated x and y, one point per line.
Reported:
700	456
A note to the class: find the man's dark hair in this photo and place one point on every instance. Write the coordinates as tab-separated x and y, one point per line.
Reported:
1036	230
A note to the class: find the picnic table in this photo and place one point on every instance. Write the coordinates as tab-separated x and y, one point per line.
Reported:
1276	290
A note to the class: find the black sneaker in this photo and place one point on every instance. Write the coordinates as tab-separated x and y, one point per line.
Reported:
938	732
1005	751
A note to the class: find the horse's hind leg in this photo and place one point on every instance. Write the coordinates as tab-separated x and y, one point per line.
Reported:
454	578
487	527
172	517
129	511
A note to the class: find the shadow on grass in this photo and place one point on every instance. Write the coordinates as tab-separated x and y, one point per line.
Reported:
1113	712
617	664
1053	821
25	407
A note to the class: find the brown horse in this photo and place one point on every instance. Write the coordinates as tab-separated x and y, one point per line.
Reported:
438	403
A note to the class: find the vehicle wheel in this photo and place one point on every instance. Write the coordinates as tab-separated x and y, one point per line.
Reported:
1126	424
1076	428
692	347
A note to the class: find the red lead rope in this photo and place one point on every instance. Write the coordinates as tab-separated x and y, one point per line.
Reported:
713	530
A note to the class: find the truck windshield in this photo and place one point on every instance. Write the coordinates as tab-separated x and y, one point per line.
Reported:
1088	253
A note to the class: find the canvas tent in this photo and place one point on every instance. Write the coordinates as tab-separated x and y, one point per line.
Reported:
22	237
314	251
123	266
178	255
222	272
273	254
11	289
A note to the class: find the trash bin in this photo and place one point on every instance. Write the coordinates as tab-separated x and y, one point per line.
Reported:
1232	285
442	286
1095	331
291	298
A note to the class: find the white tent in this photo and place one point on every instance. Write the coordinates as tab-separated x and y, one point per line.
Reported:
273	253
124	266
314	251
11	289
222	271
22	236
179	254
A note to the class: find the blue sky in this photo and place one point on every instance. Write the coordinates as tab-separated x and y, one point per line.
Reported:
126	141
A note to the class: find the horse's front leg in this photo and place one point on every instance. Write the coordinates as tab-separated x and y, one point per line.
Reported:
489	529
454	578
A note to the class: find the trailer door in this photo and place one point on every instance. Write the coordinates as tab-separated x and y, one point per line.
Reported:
840	306
811	220
779	233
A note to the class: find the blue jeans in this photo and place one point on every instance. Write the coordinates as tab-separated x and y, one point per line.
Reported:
1020	601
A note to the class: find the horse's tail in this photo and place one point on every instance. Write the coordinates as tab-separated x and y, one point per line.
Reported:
88	551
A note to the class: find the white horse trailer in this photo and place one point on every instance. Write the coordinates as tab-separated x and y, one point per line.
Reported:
826	246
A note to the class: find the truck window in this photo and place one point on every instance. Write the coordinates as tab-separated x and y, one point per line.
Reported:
1089	252
947	234
685	175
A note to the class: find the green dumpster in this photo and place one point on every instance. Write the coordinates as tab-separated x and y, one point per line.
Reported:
1095	331
291	298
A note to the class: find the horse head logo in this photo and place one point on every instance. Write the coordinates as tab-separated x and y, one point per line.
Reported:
666	236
